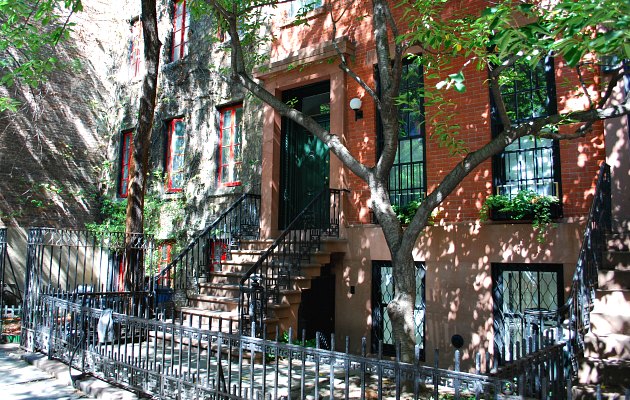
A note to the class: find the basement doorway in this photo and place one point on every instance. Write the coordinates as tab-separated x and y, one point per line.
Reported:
317	309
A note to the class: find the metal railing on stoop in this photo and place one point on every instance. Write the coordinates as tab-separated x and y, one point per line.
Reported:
213	245
273	271
574	315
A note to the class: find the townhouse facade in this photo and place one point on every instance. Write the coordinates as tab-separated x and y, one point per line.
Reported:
475	279
212	142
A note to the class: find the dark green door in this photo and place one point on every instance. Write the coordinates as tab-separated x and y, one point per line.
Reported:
305	159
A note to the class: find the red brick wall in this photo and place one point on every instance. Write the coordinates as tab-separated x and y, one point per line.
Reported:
579	158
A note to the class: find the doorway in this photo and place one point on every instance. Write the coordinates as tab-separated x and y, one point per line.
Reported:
317	308
304	158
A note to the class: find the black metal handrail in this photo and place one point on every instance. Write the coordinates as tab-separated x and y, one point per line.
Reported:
286	255
574	315
208	249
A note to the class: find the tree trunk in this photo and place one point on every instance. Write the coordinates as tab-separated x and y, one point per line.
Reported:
401	307
141	145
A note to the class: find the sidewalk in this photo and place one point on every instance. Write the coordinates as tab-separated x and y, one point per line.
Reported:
26	376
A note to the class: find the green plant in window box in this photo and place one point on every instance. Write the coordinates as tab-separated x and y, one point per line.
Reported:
526	205
406	213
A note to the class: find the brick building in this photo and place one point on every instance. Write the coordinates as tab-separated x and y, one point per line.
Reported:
212	142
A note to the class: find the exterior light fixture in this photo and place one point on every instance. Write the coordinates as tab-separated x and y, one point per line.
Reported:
355	104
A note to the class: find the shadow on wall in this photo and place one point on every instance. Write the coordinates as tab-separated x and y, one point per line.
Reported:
50	156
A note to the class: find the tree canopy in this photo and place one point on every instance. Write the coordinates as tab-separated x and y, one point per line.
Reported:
28	32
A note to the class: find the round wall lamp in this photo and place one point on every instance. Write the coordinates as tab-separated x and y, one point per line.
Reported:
355	104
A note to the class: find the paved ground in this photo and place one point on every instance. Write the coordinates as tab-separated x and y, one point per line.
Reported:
19	380
28	376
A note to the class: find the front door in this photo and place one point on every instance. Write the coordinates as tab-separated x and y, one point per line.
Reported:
305	160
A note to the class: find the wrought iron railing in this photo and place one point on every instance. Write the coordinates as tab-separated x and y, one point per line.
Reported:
208	249
3	250
574	316
171	361
272	272
100	269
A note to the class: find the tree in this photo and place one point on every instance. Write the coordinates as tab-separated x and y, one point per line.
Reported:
495	40
28	32
139	171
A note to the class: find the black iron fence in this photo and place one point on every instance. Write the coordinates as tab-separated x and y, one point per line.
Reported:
103	270
3	252
213	245
574	319
171	361
272	273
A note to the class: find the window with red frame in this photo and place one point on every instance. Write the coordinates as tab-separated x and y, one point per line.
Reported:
126	160
135	59
230	145
175	151
181	20
165	257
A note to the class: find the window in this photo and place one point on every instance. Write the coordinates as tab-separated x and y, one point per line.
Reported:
528	163
165	254
526	298
175	151
407	180
126	160
181	21
136	59
382	293
301	5
230	145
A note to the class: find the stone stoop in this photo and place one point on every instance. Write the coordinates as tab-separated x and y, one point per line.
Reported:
215	306
606	360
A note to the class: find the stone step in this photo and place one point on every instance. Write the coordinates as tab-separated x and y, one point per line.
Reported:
234	291
223	277
220	321
614	279
616	260
220	289
607	299
611	347
214	303
618	241
607	392
605	372
606	322
252	256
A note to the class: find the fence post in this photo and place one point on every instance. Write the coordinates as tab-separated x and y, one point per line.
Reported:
456	380
436	376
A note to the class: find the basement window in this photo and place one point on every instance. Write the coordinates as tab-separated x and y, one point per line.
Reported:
230	145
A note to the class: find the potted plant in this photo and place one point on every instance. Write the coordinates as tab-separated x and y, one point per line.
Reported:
526	205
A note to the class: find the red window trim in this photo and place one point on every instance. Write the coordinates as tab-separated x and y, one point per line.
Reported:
136	59
126	161
169	155
164	262
222	112
178	51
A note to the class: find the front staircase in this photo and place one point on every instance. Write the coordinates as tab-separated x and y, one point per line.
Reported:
215	277
218	294
605	365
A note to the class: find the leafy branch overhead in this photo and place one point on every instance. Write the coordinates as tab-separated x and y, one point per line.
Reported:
28	32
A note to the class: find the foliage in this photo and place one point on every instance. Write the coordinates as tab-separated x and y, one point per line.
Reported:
114	212
28	32
406	213
307	343
527	204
